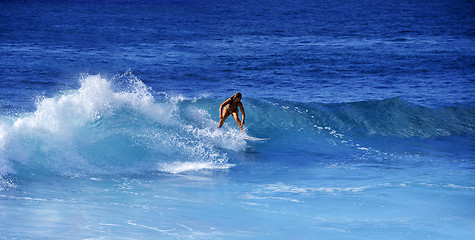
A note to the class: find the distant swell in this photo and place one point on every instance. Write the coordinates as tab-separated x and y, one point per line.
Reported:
113	126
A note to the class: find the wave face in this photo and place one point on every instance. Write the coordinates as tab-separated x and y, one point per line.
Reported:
114	126
389	117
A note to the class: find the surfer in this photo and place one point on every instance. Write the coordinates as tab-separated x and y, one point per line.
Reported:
231	107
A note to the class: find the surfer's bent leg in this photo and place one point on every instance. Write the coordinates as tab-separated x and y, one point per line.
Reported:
223	118
236	117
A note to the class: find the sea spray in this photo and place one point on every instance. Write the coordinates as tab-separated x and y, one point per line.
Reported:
109	128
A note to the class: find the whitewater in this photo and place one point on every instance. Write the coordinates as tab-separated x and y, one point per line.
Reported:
97	129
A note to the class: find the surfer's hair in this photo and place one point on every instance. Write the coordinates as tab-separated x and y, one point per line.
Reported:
236	95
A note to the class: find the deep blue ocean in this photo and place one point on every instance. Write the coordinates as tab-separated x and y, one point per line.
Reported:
109	114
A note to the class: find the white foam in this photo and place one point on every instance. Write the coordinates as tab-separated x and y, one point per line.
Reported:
61	115
166	231
284	188
180	167
92	101
450	185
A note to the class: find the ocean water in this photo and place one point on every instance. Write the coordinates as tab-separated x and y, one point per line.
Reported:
109	113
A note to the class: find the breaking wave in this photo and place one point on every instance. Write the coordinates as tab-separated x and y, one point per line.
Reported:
119	125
